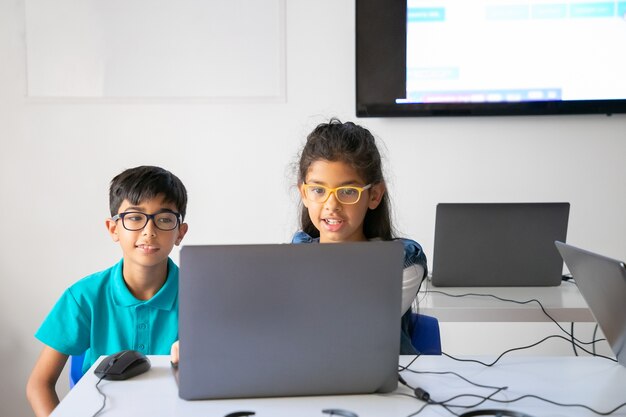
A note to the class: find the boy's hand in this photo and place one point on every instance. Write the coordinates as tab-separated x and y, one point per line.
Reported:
174	354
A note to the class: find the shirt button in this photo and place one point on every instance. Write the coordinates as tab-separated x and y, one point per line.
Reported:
142	326
141	347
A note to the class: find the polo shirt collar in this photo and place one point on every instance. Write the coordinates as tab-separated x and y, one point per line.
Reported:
164	299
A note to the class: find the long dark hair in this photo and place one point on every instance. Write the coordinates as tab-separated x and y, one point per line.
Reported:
354	145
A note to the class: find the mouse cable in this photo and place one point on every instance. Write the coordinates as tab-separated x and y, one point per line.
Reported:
104	398
527	347
518	302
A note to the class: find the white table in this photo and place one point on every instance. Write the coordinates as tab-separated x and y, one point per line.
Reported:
564	303
596	382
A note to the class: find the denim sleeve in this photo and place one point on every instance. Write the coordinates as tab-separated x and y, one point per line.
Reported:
414	254
302	237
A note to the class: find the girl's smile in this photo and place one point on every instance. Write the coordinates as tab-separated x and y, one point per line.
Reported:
332	224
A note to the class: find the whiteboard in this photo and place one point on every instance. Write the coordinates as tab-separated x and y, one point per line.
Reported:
219	49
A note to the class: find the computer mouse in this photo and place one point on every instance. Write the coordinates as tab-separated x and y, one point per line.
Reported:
339	412
240	414
123	365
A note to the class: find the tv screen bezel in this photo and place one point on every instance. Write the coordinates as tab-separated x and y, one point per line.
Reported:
381	75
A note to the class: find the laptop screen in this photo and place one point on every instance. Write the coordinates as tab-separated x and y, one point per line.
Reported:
602	283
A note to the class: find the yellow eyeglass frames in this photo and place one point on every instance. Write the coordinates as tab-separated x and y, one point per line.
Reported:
345	195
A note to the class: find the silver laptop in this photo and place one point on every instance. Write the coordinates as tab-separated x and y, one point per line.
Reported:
498	244
289	320
602	282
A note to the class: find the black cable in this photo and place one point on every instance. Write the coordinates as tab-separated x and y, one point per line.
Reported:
104	399
595	330
420	410
482	400
586	407
455	374
403	368
425	396
517	302
527	347
572	339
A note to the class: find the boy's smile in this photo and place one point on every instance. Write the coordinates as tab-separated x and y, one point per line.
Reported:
148	248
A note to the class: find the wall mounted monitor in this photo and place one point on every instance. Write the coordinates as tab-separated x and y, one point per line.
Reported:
490	57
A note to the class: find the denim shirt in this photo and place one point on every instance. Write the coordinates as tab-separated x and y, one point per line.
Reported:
413	255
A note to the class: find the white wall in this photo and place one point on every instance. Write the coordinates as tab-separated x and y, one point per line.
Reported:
57	157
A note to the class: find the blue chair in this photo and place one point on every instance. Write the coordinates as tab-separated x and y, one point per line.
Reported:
76	369
426	338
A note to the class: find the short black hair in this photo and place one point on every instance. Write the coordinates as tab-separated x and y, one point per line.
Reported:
146	182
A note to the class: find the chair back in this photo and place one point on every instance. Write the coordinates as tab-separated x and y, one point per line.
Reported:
76	369
426	338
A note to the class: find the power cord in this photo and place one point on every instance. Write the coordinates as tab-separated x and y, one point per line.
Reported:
574	344
408	369
528	347
570	334
425	396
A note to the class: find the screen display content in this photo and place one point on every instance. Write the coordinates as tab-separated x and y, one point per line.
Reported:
490	57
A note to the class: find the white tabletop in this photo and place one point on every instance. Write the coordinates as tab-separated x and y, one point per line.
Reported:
596	382
564	303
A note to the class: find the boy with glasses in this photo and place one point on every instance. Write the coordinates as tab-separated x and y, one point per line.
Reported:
133	304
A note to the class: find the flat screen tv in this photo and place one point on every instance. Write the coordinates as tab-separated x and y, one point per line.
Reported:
490	57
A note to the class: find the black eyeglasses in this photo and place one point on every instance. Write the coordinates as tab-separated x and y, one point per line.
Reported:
136	220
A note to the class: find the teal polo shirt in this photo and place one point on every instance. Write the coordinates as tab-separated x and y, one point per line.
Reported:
98	315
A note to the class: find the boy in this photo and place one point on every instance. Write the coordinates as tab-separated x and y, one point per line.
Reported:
133	304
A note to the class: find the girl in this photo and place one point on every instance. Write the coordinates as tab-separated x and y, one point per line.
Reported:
344	199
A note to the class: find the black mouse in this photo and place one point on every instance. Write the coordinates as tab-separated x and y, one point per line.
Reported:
123	365
339	412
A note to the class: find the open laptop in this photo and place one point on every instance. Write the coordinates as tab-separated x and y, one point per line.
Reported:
498	244
602	283
289	320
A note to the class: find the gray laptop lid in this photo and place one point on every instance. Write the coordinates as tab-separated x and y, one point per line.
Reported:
287	320
498	244
602	282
